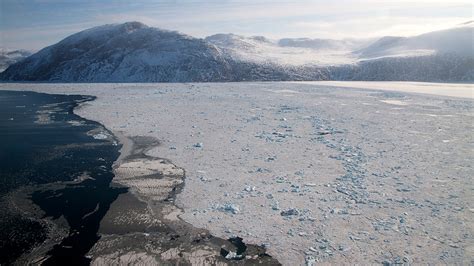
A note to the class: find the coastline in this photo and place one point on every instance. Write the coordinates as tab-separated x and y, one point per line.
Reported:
455	90
125	150
142	215
62	171
153	184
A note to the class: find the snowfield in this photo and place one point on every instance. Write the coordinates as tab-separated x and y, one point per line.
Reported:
441	89
314	171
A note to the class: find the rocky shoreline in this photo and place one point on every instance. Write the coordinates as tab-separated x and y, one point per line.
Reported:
143	225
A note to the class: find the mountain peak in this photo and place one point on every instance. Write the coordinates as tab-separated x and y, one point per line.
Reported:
128	52
127	27
133	25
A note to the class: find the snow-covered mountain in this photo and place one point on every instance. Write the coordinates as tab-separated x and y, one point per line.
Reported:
432	68
9	57
134	52
129	52
445	55
458	40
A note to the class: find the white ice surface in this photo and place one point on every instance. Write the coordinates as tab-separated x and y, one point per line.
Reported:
372	181
441	89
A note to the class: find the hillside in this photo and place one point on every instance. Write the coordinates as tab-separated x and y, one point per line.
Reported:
134	52
130	52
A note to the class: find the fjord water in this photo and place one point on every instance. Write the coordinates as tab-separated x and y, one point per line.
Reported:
46	147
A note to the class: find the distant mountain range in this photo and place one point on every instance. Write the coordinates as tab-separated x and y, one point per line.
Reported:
134	52
453	41
9	57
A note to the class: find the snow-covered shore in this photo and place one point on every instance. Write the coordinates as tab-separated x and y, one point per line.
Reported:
461	90
312	171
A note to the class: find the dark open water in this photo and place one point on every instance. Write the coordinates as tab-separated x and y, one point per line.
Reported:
44	144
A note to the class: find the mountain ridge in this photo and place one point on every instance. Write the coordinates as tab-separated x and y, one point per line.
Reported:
135	52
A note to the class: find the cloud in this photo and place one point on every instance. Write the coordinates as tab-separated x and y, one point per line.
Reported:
339	18
304	18
244	11
373	27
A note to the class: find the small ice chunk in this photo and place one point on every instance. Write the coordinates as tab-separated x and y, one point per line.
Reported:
198	145
290	212
250	188
310	260
299	173
276	206
100	136
230	208
233	256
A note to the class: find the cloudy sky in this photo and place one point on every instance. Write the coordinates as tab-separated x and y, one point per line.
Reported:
33	24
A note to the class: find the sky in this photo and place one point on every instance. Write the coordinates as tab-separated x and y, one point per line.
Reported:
34	24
